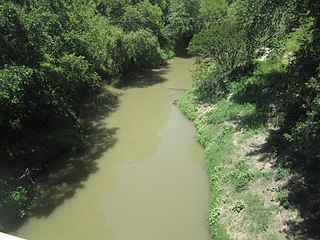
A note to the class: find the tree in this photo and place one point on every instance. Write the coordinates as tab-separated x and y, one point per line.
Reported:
21	37
143	15
223	43
212	10
183	22
221	46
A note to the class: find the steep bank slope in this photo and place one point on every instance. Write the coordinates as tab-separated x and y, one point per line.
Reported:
246	181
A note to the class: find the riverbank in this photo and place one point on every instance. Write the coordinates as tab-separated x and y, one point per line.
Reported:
143	176
37	155
248	197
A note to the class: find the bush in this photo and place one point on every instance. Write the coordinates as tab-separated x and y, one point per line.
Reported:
210	84
238	206
13	206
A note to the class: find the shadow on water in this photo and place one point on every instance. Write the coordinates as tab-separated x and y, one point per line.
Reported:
142	79
146	77
62	176
184	55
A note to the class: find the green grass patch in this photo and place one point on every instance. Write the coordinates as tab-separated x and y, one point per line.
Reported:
233	177
265	175
272	237
215	133
234	132
229	111
188	105
217	142
257	214
283	198
241	175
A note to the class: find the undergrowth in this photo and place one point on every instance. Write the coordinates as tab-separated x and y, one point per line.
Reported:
244	198
15	201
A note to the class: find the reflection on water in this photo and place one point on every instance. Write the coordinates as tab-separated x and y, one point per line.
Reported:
149	180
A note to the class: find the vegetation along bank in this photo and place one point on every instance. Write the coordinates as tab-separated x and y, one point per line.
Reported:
53	54
255	98
255	103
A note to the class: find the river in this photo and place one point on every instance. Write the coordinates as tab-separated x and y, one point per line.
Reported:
148	181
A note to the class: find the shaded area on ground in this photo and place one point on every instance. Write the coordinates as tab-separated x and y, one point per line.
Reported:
303	185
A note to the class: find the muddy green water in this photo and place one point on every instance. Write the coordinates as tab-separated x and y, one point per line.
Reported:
150	185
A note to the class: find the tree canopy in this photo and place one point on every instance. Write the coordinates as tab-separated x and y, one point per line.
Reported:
239	38
52	52
265	53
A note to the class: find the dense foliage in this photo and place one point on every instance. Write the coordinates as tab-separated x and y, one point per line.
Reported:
232	46
53	52
266	54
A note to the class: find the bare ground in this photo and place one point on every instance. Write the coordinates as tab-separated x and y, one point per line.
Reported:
260	162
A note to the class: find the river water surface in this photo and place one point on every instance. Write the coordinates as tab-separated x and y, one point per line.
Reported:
151	184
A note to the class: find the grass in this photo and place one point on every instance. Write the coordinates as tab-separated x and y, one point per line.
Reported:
257	214
188	104
245	200
258	190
